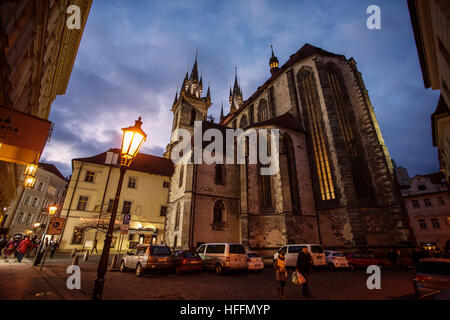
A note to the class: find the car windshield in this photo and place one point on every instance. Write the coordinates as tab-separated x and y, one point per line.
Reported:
253	255
295	249
338	254
160	251
237	249
316	249
434	267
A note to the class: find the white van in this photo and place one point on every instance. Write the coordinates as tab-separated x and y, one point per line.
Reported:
292	250
223	256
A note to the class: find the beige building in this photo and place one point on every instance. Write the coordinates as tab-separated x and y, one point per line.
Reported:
28	214
336	185
431	24
37	54
428	203
90	198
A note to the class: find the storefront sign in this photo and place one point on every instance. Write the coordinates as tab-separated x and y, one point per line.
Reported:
55	226
22	137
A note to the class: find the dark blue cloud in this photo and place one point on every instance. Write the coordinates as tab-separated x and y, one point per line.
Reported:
134	54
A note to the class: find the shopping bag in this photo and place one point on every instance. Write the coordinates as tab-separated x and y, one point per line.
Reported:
298	278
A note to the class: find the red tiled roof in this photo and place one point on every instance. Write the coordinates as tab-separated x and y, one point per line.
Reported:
304	52
143	162
51	168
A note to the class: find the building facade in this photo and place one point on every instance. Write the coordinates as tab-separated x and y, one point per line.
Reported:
91	194
37	54
28	214
335	185
428	203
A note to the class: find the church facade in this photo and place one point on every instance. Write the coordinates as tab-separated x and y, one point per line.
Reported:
335	185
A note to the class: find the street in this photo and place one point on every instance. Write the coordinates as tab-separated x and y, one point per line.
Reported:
22	281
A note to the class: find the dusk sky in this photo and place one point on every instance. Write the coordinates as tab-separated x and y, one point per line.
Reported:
134	54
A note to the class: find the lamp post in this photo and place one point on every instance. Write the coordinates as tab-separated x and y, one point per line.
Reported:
37	259
133	138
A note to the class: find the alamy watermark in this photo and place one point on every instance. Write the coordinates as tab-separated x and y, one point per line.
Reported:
374	20
259	146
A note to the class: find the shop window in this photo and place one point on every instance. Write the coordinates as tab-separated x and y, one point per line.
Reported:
77	237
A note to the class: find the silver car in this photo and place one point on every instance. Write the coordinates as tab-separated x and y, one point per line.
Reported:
144	258
432	279
222	257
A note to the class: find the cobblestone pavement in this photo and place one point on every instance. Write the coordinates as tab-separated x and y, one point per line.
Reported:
26	282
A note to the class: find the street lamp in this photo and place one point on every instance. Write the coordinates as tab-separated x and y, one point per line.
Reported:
133	138
29	174
37	259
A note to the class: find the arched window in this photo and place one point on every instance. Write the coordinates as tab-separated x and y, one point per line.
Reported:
219	174
266	192
177	218
263	110
219	209
292	172
180	181
193	116
243	123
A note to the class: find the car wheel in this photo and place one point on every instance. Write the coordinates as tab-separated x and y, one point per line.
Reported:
139	270
219	269
331	266
352	266
122	266
178	270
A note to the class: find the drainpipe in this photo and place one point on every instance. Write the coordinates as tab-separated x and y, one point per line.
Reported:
70	204
192	218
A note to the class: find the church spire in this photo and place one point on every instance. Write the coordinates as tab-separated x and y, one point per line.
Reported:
176	96
194	73
221	114
236	99
273	62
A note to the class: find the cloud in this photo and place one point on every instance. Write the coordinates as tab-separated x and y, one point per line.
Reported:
134	54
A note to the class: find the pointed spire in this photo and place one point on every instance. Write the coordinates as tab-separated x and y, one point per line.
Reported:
176	96
221	114
236	84
201	82
194	73
208	94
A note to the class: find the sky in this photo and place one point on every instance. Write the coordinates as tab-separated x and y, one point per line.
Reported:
134	55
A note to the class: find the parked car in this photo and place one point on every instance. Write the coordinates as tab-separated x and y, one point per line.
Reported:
222	257
255	261
432	279
144	258
363	260
185	260
336	259
292	251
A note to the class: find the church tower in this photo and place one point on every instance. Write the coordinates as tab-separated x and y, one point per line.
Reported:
235	99
273	62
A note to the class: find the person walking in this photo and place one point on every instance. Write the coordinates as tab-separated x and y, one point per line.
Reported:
9	249
304	265
23	247
3	243
281	272
53	246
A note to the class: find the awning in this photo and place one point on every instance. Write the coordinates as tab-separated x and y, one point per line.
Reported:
22	137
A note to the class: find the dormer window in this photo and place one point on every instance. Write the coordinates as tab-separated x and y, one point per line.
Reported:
421	187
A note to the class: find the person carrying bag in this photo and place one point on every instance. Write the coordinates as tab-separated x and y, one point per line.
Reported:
281	272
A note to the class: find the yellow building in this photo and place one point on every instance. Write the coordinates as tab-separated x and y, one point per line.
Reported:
90	198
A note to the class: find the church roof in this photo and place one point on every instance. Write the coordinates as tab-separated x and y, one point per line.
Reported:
143	162
286	120
51	168
304	52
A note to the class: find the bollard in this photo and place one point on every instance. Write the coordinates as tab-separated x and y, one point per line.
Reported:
74	252
75	260
86	255
114	262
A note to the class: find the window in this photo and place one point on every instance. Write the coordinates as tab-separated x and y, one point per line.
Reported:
427	202
20	217
27	201
177	218
132	182
180	182
82	203
165	184
263	110
89	176
110	205
243	123
266	192
126	207
435	223
219	209
441	201
77	237
421	187
250	114
34	203
193	116
202	248
163	211
28	219
219	174
41	185
51	190
415	204
215	248
309	98
422	224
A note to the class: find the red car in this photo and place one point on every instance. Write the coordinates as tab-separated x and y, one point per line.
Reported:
185	260
363	260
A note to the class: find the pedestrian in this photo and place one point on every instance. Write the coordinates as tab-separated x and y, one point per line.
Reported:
9	250
281	272
3	243
53	246
304	266
45	244
23	247
415	257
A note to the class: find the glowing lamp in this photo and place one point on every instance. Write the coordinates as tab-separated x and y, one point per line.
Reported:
29	182
133	138
52	210
30	170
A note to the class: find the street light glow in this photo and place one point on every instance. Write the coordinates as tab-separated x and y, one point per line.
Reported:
133	138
